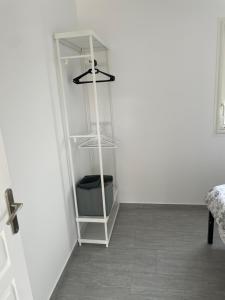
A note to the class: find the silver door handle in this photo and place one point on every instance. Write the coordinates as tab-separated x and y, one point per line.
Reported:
13	209
17	207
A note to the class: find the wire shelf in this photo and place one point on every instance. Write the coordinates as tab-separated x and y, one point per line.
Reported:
75	49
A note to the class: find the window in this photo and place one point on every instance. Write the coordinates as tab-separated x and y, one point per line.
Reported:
220	93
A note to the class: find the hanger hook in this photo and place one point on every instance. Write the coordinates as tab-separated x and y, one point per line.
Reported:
95	62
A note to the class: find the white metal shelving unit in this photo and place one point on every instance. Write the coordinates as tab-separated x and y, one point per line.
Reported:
83	46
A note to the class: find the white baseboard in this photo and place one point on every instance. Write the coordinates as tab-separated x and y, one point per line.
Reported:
61	273
163	203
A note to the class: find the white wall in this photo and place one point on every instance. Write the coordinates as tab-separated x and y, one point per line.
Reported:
28	91
163	54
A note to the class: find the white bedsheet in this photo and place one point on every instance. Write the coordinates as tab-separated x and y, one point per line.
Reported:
215	201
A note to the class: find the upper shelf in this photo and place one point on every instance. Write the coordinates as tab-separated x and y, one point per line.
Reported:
79	40
91	141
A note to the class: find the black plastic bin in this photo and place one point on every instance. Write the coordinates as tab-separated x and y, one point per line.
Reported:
89	195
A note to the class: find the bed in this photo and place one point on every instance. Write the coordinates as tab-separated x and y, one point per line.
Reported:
215	201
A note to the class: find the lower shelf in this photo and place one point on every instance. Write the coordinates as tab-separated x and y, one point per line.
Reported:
94	233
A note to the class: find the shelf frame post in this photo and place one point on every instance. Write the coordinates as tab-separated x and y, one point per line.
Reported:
67	135
98	136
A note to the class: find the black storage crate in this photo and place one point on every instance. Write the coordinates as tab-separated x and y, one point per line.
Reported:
89	195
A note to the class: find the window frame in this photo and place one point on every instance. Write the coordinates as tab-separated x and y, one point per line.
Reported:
220	76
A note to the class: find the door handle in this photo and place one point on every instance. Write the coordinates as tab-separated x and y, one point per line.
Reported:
13	209
17	207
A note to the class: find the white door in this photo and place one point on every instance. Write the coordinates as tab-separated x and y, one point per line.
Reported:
14	282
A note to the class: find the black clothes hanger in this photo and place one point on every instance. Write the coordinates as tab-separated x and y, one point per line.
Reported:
77	79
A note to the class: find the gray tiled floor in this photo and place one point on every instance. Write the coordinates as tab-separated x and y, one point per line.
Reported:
157	252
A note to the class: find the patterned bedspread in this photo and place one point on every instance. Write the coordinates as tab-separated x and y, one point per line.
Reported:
215	201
